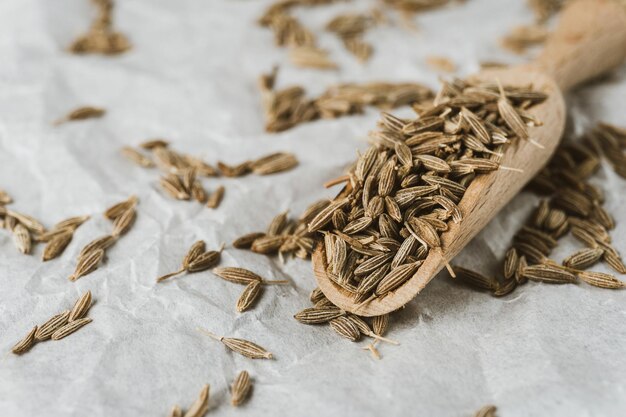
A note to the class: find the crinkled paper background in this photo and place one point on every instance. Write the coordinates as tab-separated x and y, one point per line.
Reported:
542	351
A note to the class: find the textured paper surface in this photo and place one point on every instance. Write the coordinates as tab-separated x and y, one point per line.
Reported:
191	78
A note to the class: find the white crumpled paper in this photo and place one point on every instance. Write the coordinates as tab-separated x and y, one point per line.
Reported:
191	78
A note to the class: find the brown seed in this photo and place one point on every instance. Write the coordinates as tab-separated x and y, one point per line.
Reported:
137	157
345	328
81	113
278	224
205	261
154	143
176	412
70	328
380	324
240	389
29	222
237	275
475	279
246	241
396	277
242	346
601	280
511	260
215	198
548	273
315	315
103	243
72	223
486	411
583	259
272	164
22	239
87	263
249	296
423	232
81	307
118	209
26	343
267	244
201	405
124	222
53	324
174	187
325	215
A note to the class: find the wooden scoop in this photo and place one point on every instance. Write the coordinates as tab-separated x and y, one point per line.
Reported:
589	41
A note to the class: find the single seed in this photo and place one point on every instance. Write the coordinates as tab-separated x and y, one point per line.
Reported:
53	324
81	307
241	346
26	343
70	328
249	296
87	263
240	389
201	405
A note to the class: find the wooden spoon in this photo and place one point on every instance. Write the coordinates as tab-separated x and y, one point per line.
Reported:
589	41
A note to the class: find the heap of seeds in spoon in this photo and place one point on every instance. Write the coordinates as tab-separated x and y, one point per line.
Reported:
405	188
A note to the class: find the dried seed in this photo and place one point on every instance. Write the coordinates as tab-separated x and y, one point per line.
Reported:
240	389
601	280
423	232
267	244
22	239
201	405
325	215
486	411
215	198
154	143
396	277
475	279
548	273
123	223
81	113
317	315
53	324
242	346
81	307
103	243
246	241
26	343
70	328
583	259
345	328
137	157
176	412
204	261
271	164
380	324
118	209
249	296
511	261
237	275
72	223
87	264
278	224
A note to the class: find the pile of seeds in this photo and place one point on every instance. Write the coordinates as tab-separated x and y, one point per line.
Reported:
27	230
573	205
289	107
123	216
289	31
81	113
101	37
403	191
58	326
284	236
181	171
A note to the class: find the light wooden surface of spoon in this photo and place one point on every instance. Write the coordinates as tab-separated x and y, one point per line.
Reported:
590	40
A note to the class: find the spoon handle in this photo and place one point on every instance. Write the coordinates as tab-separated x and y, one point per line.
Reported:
589	40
